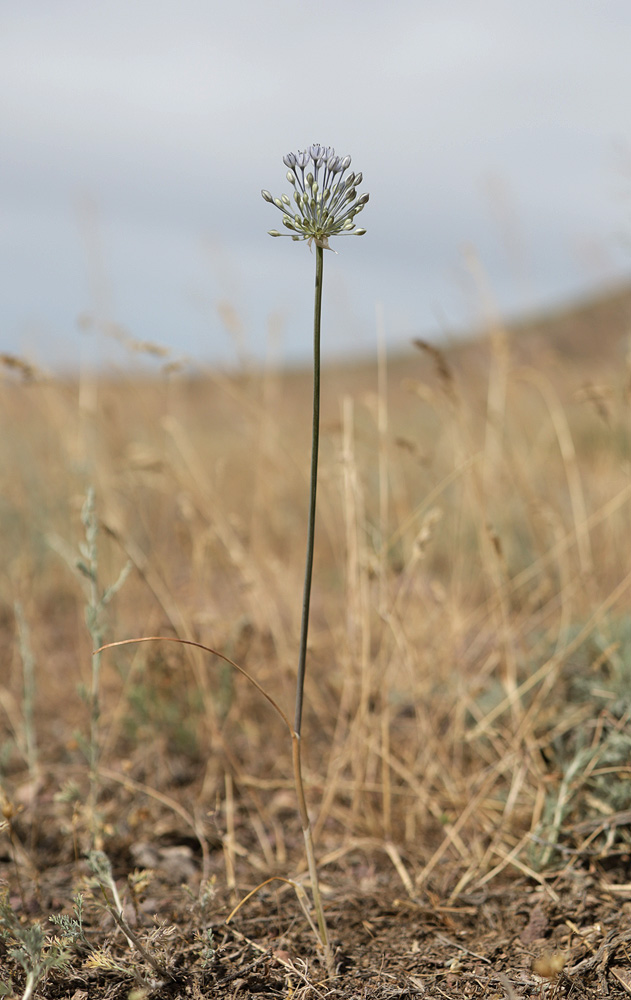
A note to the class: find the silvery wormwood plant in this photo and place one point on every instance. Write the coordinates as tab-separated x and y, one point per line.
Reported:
325	203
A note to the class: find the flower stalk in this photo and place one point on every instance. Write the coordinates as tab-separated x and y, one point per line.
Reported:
325	203
313	489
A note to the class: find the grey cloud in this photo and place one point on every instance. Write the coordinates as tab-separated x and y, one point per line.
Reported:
172	116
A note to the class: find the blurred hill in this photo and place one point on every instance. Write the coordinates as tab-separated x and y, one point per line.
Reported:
592	329
583	338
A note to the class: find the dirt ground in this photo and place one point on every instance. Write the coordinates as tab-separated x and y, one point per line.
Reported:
566	934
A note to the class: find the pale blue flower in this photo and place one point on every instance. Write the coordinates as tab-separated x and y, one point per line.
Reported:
325	202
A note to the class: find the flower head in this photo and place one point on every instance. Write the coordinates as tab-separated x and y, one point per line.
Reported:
324	201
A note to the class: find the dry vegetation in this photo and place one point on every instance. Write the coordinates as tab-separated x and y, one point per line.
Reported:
466	739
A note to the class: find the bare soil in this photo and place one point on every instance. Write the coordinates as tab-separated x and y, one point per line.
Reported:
562	932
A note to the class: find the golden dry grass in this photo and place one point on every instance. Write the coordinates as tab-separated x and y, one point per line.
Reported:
472	541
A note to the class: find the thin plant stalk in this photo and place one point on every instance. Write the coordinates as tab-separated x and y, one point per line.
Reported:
29	692
88	568
323	204
304	628
309	851
313	489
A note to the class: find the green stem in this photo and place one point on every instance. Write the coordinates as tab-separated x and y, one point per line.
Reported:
304	628
315	438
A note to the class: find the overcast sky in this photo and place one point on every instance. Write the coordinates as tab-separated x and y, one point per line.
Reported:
137	135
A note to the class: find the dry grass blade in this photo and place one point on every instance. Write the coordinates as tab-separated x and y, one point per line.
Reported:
207	649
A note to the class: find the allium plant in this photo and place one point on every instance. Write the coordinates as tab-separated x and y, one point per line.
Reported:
326	204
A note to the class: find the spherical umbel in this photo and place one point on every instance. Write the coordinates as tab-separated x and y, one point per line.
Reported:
326	201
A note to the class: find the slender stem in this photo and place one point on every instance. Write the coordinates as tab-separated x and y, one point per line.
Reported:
311	862
304	628
315	438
